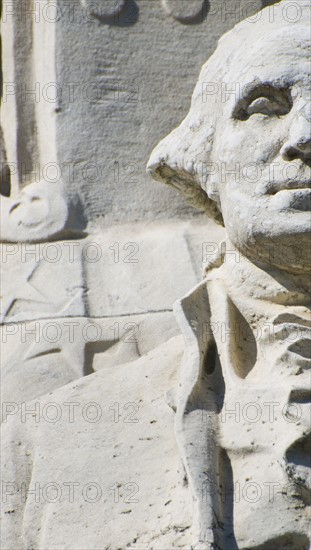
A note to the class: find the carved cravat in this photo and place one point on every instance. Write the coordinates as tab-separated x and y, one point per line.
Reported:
244	402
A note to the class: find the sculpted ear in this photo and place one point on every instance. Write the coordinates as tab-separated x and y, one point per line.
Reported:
181	160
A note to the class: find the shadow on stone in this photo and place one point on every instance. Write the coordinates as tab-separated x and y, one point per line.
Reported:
127	17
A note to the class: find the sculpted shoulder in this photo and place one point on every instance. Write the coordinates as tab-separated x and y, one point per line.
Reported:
114	436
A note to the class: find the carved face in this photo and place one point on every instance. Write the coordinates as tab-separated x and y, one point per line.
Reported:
243	151
262	151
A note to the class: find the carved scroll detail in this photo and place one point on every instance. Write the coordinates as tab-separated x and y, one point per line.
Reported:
106	9
184	11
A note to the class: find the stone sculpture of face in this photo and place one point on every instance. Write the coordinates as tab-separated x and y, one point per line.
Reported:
263	149
247	146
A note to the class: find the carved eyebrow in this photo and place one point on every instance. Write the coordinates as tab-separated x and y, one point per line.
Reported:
253	91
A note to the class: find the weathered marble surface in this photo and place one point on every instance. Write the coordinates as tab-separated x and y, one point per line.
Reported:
245	157
235	480
67	306
126	460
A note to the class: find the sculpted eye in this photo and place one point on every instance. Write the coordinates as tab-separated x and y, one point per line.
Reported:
261	105
267	101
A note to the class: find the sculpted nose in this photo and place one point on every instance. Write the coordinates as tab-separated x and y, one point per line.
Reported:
298	146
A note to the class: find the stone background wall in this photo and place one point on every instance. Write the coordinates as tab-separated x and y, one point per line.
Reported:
110	78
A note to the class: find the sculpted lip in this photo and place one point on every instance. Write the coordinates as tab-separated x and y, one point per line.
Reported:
289	186
292	198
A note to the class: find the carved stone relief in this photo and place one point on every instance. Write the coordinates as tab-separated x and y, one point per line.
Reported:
247	326
108	8
179	9
184	11
92	356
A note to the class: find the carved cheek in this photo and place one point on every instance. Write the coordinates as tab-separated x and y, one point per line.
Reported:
232	145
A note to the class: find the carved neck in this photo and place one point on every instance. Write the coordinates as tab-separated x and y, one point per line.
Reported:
259	281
